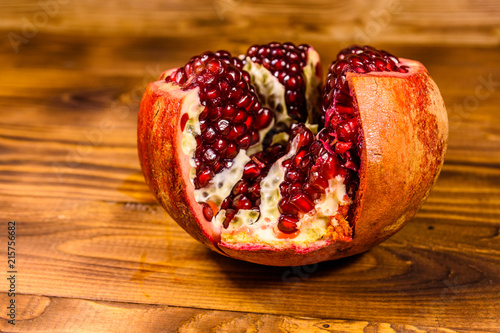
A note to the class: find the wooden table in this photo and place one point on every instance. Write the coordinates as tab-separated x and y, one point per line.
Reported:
96	253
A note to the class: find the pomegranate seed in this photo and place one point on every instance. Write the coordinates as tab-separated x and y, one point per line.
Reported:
180	77
311	192
188	69
256	106
210	156
252	51
215	113
203	125
245	101
254	191
263	119
305	163
231	151
208	213
347	130
340	66
223	127
351	165
241	187
293	175
330	166
241	116
251	170
342	147
235	94
229	112
254	137
204	177
210	135
230	213
223	86
283	188
226	203
294	187
199	163
317	181
246	79
215	66
249	121
298	158
237	131
277	52
345	109
204	114
233	75
212	93
184	119
301	202
315	148
291	82
285	207
287	223
242	202
292	96
244	142
305	137
218	166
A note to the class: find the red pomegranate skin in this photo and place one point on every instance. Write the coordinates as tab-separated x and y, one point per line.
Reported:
164	168
405	131
404	125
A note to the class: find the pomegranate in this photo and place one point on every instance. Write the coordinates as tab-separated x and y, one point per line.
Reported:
259	161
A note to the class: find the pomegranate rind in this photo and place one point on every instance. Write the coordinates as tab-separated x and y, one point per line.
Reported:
405	129
165	166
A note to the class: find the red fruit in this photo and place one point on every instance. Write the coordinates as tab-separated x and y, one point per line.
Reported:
205	146
287	223
301	202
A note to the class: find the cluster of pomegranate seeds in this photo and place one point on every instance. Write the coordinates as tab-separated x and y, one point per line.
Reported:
232	116
341	134
306	177
286	62
246	193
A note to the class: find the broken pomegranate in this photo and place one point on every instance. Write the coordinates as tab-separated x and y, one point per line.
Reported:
257	160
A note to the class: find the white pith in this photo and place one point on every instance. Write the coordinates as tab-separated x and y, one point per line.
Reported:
269	87
312	82
249	226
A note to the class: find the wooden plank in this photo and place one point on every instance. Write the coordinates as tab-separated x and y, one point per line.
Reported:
416	22
54	314
433	272
93	242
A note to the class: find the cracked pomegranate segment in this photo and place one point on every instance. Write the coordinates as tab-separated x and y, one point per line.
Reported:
275	168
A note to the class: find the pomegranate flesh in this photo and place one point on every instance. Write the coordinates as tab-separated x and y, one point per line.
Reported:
257	160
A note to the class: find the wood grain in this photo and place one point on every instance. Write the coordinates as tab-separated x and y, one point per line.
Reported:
243	22
96	252
51	314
